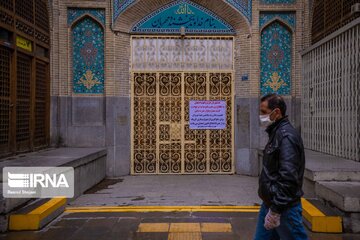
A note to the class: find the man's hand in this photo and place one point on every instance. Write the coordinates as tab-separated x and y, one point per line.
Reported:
272	220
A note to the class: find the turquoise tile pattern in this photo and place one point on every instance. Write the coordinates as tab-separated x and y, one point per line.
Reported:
278	1
76	13
276	59
287	17
195	18
88	56
243	6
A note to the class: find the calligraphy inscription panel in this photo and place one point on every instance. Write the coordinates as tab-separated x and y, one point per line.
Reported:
207	114
187	14
174	53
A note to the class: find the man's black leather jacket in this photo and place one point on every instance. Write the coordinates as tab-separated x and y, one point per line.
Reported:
281	179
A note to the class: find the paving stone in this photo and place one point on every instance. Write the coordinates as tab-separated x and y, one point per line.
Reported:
216	227
220	236
150	236
153	227
185	236
169	190
112	227
184	227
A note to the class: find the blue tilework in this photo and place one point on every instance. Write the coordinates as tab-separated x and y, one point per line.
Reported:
88	57
278	1
243	6
120	6
195	19
276	58
287	17
75	13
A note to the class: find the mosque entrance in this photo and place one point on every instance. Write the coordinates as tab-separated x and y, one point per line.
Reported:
182	105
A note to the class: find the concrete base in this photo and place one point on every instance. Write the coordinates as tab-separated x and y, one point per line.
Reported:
89	168
351	222
336	182
309	188
94	122
343	195
324	167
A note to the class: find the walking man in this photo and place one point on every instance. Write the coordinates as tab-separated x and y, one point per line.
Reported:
280	182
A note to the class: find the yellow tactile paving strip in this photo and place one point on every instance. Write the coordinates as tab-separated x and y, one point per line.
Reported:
185	231
185	236
216	227
153	227
185	227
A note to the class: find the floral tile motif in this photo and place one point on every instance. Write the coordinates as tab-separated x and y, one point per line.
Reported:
88	56
287	17
243	6
278	1
76	13
276	59
120	6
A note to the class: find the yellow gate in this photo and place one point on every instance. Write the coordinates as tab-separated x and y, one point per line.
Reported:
162	141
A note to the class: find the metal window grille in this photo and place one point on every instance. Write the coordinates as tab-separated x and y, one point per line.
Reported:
40	104
330	15
8	4
5	58
41	15
24	9
23	98
331	95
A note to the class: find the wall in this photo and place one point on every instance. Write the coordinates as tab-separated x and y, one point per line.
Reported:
106	122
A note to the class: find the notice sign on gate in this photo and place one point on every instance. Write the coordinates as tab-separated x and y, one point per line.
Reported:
207	114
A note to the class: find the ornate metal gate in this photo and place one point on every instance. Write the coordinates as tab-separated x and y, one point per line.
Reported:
162	87
162	141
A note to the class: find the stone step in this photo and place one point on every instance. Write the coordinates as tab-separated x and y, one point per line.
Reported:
89	169
343	195
324	167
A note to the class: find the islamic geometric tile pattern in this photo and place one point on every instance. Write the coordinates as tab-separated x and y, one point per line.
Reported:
195	19
76	13
120	6
243	6
276	58
88	57
278	1
288	17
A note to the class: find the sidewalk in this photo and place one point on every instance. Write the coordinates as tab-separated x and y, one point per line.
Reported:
154	226
173	190
182	190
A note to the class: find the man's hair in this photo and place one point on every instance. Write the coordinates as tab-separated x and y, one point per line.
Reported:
275	101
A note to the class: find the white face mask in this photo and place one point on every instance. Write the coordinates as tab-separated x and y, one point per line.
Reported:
265	119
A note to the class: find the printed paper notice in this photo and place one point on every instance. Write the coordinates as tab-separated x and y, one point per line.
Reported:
207	114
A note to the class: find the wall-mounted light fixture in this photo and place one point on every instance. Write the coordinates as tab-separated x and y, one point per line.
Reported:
182	31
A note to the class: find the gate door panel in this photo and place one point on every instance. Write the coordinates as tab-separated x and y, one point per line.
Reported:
162	141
